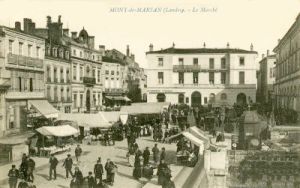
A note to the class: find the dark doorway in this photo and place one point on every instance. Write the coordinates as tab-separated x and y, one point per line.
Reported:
181	98
241	99
88	101
161	97
196	98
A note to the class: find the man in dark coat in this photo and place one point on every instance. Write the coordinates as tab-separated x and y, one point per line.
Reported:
78	177
110	171
146	156
155	152
91	180
68	163
98	170
163	172
53	163
13	175
163	154
24	168
31	167
78	152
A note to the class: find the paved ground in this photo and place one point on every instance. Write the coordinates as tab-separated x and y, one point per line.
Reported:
116	153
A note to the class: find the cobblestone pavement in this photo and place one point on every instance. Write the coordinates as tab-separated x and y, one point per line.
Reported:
117	153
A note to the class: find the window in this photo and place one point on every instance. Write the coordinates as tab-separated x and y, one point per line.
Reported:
20	48
160	78
106	71
223	96
10	46
271	72
81	100
20	84
55	74
242	61
74	72
211	63
99	75
74	52
195	61
48	74
75	100
212	98
54	52
160	61
37	52
241	77
181	78
223	77
195	77
67	55
211	78
205	100
223	63
29	50
80	53
94	73
180	61
181	98
62	74
112	72
118	73
30	85
61	53
81	72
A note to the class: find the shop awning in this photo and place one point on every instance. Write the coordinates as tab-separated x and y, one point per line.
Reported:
16	139
118	98
199	134
144	108
193	139
86	120
58	131
44	108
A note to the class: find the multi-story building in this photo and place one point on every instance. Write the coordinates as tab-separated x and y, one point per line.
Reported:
86	63
57	65
266	78
21	74
201	76
287	84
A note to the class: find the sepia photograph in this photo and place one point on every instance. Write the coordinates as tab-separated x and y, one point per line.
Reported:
149	93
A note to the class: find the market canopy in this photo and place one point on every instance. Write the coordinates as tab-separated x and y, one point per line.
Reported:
111	117
118	98
144	108
193	139
86	120
44	108
58	131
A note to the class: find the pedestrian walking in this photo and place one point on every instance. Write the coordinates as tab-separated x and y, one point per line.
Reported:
163	154
91	180
146	156
78	152
68	163
53	163
13	175
111	169
24	168
98	170
31	167
77	178
155	152
163	172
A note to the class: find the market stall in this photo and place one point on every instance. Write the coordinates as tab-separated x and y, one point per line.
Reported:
55	139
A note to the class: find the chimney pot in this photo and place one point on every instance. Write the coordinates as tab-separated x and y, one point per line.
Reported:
66	32
74	34
204	45
251	47
18	26
268	53
173	45
228	45
48	20
151	47
127	51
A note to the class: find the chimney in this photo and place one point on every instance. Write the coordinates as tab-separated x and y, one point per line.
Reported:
102	47
262	56
31	27
74	34
132	57
27	25
127	51
91	42
173	45
48	20
66	32
151	47
251	47
59	19
228	45
204	45
18	26
268	53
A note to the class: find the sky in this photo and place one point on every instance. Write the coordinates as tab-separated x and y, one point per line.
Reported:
237	22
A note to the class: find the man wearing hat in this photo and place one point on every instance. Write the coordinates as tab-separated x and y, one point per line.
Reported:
13	175
98	170
68	163
53	163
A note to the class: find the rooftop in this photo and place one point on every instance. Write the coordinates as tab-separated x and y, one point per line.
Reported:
200	51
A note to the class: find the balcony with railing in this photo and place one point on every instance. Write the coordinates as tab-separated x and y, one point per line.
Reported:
186	68
114	90
24	61
89	80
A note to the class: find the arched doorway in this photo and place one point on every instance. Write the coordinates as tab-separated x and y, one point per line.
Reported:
88	100
161	97
212	98
241	99
196	98
181	98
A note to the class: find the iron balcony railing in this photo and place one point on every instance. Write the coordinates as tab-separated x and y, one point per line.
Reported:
24	61
89	80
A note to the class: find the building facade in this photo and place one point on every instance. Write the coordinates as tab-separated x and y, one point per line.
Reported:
86	65
201	76
266	79
22	74
287	84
